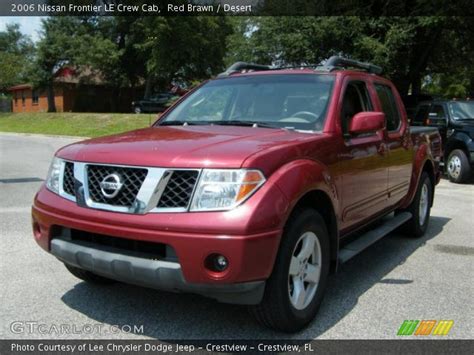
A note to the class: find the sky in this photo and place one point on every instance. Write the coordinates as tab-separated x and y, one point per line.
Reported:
29	25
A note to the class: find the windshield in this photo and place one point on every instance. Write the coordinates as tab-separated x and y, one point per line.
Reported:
295	101
462	110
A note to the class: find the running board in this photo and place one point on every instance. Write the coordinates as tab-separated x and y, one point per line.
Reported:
369	238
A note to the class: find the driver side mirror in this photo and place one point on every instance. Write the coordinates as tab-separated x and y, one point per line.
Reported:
367	122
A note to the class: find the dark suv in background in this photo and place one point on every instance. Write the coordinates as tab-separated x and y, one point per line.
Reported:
455	121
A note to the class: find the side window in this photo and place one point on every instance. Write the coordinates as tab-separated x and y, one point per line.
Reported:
356	99
389	106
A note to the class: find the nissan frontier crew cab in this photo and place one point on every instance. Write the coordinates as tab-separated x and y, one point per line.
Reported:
249	190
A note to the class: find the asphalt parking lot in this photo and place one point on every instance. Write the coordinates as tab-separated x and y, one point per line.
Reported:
396	279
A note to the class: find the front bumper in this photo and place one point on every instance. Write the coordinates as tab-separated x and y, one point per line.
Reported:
158	274
192	236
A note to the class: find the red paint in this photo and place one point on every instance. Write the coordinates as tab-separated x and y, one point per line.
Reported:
363	177
367	122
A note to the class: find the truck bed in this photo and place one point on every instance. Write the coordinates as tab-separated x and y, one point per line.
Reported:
432	137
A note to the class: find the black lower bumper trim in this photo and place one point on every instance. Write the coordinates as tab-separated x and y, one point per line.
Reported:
157	274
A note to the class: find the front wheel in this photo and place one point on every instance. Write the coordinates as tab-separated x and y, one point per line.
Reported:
137	110
296	287
458	167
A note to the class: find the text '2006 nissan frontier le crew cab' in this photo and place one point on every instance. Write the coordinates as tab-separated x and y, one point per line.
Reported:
249	190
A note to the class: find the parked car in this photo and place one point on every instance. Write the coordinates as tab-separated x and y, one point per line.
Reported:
157	103
455	121
249	191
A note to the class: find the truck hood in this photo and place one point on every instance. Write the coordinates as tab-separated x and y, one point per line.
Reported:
182	146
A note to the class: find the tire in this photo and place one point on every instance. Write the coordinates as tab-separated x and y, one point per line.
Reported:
137	110
280	308
419	208
458	167
88	276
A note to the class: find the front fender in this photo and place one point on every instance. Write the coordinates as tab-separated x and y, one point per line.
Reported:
459	139
302	176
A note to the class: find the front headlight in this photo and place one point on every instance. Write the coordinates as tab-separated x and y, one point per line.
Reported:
221	190
52	181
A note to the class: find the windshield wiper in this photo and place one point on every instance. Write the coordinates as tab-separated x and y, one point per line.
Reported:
244	123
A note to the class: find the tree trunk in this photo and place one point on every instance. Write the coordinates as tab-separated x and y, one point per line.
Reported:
148	87
421	56
51	102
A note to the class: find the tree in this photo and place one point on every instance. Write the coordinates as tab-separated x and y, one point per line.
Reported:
104	51
293	40
159	50
54	49
16	52
183	48
130	51
408	48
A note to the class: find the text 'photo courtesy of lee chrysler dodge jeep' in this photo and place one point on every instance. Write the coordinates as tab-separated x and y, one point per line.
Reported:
249	190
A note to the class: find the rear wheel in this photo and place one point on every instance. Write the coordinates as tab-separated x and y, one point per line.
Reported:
88	276
458	167
137	110
420	208
296	287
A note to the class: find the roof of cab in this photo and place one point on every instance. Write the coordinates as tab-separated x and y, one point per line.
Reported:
334	63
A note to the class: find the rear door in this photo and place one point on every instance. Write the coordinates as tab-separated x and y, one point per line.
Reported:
399	143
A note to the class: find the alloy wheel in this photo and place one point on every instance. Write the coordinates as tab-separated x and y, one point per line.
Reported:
304	271
424	203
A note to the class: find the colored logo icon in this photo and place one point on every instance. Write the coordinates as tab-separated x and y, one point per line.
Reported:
425	327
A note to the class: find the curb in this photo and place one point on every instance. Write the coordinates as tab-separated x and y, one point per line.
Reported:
42	135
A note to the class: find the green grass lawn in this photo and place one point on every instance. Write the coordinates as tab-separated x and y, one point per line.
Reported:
73	124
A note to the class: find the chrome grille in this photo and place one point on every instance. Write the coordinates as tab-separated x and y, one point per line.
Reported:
68	179
132	179
179	190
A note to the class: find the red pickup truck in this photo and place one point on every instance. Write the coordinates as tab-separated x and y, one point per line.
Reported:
249	190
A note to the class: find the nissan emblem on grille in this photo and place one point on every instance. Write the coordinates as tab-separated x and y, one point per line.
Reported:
111	185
